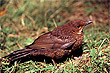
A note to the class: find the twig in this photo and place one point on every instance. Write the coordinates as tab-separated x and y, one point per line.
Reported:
13	67
102	43
46	18
30	18
53	15
22	20
93	20
18	45
54	23
4	51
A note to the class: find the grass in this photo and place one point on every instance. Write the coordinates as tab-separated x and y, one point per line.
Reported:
24	21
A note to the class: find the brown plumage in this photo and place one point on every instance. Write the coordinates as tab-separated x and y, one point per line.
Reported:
60	42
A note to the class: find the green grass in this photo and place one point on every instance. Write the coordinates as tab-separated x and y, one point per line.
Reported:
26	20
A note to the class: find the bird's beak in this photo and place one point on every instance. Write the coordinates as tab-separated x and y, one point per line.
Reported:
88	22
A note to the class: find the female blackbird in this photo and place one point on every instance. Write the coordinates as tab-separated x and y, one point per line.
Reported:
60	42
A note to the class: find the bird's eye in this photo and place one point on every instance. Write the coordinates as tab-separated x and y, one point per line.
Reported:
78	26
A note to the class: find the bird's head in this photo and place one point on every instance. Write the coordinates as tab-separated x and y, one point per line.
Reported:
80	24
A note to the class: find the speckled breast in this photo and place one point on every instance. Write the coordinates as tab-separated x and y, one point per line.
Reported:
79	42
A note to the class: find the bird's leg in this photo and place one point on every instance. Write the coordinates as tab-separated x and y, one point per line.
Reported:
54	62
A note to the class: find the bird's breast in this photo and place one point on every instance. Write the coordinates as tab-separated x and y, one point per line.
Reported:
79	41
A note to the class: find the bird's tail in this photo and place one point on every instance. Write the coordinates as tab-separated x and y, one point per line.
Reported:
19	54
51	53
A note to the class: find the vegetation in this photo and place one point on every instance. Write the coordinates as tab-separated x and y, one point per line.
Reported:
22	21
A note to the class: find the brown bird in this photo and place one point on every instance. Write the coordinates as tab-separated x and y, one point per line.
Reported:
60	42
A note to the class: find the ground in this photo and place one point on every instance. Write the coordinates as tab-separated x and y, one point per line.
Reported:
23	21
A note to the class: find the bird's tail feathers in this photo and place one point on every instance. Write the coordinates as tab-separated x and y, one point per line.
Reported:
19	54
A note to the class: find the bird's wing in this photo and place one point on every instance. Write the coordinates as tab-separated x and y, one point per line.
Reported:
63	43
67	45
44	41
48	41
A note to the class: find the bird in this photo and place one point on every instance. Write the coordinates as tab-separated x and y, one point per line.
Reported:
56	44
